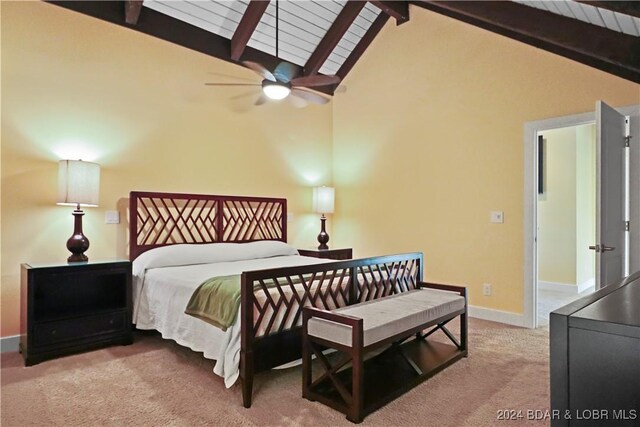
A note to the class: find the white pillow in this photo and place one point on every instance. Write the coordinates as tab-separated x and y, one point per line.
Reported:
188	254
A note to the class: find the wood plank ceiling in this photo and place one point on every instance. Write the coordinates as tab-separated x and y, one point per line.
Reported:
329	36
593	14
302	26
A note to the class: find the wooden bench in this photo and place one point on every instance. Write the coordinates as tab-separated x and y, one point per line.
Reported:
390	322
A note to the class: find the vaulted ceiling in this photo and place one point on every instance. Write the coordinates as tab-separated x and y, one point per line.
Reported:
329	36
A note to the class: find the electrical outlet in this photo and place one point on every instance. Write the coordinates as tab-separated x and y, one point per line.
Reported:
486	289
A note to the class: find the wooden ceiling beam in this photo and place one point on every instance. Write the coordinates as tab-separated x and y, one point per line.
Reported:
246	27
362	45
399	10
627	7
343	21
598	47
132	10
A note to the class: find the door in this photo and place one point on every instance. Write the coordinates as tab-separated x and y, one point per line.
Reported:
610	190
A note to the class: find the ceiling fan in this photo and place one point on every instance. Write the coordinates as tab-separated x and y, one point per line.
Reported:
283	81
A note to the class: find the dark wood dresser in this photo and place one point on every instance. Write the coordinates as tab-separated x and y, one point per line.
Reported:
595	358
67	308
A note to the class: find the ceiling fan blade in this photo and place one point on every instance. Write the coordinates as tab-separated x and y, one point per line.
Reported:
284	72
262	99
297	102
243	102
315	80
232	84
258	68
309	96
243	95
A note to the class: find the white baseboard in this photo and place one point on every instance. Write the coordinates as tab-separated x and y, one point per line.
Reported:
497	315
569	288
8	344
587	285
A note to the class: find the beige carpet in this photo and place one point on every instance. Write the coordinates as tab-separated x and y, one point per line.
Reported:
156	382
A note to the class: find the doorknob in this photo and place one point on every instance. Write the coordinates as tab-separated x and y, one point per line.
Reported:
603	248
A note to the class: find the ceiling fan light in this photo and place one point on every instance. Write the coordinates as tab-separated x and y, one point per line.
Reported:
275	90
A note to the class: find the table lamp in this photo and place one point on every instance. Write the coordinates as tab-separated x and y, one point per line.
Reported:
78	185
323	201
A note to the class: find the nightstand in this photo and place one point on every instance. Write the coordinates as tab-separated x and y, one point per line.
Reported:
346	253
68	308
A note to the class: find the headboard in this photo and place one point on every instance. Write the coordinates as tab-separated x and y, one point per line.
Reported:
161	219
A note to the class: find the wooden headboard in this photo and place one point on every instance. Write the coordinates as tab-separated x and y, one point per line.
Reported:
162	219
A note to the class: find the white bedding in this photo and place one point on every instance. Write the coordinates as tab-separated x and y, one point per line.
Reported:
161	294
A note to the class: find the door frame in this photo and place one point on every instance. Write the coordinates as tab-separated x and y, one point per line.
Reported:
531	130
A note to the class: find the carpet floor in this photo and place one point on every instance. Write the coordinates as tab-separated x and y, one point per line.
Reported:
157	382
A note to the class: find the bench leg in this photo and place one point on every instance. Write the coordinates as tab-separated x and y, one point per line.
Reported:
464	327
357	373
357	390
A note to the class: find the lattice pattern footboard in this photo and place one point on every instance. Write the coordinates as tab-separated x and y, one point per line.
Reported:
272	301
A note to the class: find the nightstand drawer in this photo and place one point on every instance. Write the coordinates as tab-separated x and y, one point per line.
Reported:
50	333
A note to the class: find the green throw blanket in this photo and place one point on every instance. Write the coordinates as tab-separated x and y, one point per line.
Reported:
216	301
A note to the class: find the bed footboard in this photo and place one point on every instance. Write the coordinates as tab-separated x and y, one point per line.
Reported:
272	301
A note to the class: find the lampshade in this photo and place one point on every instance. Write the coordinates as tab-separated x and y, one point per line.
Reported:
78	183
323	199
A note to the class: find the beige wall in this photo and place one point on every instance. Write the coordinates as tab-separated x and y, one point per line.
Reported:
557	221
74	87
428	140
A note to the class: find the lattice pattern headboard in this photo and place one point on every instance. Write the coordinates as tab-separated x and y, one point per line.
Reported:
161	219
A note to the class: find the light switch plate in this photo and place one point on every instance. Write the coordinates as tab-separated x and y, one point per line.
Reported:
497	217
289	216
112	217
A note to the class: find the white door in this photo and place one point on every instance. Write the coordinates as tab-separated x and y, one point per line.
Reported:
610	188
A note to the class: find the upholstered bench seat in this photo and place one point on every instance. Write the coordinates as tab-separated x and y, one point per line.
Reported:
388	316
385	323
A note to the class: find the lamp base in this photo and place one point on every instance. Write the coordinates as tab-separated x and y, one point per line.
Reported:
323	237
78	258
78	242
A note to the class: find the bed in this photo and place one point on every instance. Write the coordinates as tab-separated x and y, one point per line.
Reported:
179	240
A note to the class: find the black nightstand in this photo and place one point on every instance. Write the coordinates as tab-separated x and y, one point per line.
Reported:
346	253
67	308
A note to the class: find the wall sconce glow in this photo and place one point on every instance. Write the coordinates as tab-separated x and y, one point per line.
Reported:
275	90
74	149
323	203
311	177
79	185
